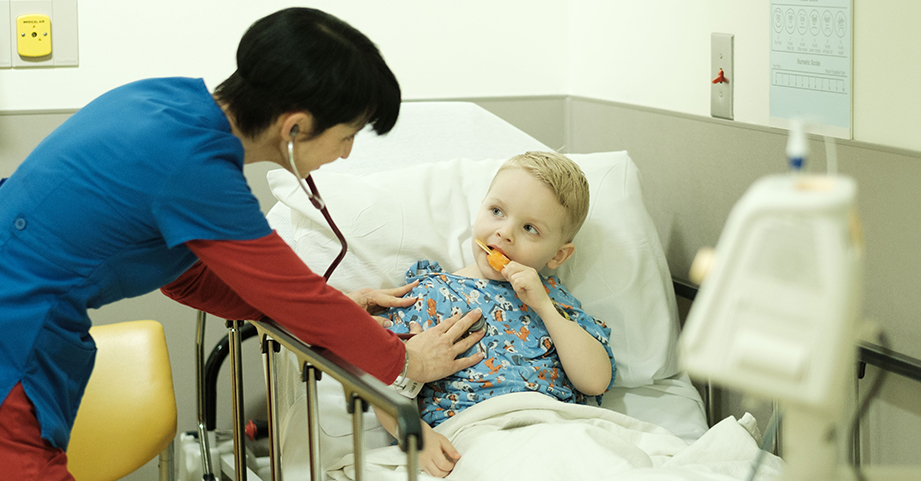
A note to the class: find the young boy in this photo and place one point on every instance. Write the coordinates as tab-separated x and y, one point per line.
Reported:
537	337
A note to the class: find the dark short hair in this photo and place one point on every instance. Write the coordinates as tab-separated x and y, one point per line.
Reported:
301	59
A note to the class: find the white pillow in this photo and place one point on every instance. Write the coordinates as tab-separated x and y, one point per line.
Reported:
393	218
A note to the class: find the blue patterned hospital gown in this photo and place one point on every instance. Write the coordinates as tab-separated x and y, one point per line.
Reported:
520	355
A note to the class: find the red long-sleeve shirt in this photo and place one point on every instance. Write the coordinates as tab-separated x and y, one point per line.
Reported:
249	280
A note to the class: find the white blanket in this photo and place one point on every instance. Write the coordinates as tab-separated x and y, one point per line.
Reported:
531	436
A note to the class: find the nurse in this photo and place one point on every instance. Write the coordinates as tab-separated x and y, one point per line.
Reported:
143	189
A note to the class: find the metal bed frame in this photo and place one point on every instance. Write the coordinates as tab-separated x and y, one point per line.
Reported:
362	389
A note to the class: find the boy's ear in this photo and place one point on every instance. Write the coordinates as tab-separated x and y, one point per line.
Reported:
564	252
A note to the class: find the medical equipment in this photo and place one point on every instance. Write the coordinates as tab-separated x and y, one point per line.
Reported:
235	334
797	148
777	313
476	326
795	239
317	202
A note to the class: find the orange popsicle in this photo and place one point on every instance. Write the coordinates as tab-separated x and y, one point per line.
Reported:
496	259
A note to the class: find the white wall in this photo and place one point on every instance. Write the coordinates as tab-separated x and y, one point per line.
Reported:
437	49
656	53
653	53
887	97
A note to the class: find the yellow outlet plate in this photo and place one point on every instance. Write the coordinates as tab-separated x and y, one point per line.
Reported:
33	35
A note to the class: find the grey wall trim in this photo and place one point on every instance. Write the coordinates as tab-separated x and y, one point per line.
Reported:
739	125
530	106
566	106
543	117
21	131
39	112
488	99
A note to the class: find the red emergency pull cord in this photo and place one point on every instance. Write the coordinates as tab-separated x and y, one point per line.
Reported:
720	78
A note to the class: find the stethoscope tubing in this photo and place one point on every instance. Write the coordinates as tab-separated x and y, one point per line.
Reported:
314	195
332	225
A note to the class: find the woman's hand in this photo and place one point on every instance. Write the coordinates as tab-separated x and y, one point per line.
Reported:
377	300
438	456
433	353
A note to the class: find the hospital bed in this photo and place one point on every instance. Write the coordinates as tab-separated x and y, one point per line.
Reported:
411	195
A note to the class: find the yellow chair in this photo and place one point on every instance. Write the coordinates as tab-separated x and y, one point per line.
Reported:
128	413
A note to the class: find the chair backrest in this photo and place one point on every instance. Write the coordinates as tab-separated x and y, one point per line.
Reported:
128	413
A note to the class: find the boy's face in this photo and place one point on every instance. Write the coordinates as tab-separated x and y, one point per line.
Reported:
521	217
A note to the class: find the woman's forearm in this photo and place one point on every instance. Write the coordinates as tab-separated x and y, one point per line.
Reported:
267	275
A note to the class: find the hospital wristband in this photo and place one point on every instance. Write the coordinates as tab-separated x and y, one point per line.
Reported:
404	385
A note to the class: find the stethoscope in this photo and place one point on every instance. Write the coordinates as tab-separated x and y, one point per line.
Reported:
317	202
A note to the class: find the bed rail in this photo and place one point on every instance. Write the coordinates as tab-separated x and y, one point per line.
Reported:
361	390
867	353
212	368
888	360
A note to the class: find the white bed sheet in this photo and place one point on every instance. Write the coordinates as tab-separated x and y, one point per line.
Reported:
518	436
439	132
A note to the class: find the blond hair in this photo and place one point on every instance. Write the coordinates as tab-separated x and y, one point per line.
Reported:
565	179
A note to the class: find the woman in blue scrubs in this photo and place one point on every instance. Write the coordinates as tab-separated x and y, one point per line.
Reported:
143	189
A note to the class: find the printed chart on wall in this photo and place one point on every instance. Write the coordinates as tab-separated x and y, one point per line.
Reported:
811	52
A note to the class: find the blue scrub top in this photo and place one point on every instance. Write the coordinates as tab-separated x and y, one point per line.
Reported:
99	212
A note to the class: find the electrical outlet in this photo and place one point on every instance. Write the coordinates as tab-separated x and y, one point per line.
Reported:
33	35
59	48
721	75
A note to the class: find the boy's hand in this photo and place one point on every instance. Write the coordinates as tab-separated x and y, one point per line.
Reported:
527	284
438	455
